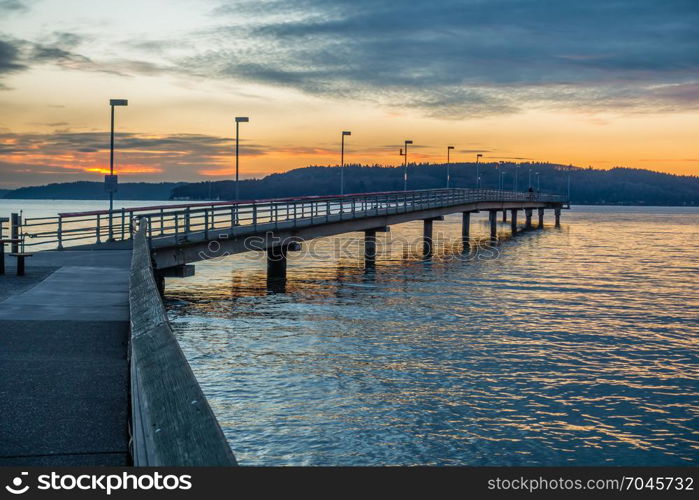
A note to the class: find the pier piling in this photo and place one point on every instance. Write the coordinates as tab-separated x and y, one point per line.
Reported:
493	219
427	237
466	229
369	248
528	214
541	219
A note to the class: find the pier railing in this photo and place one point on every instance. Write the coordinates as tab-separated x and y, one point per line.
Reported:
172	423
79	228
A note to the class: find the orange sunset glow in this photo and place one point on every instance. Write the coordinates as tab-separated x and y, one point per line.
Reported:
186	80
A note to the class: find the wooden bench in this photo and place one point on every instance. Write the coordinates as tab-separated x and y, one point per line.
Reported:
3	242
20	261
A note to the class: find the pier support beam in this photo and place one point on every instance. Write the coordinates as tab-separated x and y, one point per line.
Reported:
504	215
541	219
276	265
427	237
466	229
181	271
557	213
160	283
427	241
493	219
513	221
528	214
370	245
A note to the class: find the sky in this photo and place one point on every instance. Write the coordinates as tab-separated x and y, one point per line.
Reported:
598	83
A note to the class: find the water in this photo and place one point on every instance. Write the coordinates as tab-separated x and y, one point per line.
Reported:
50	208
575	346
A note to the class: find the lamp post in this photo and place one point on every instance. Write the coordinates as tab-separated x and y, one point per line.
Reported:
478	175
405	167
538	183
238	121
110	181
530	176
449	148
342	162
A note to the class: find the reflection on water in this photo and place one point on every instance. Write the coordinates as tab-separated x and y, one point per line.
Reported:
574	346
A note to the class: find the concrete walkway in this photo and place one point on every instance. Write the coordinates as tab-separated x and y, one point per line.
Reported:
63	367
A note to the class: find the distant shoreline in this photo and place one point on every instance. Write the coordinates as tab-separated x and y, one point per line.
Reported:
205	201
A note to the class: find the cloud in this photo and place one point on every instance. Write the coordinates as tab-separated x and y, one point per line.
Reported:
63	50
9	58
180	155
459	58
448	59
13	6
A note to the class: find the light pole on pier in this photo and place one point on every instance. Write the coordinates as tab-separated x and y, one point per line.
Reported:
449	148
238	121
404	152
478	174
342	161
538	183
110	181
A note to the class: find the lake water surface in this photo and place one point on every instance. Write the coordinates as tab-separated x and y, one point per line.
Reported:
576	345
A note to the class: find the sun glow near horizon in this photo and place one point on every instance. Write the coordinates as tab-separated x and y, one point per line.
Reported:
185	86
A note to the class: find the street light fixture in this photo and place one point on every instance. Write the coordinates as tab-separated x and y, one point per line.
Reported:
342	162
449	148
405	167
110	181
238	121
478	175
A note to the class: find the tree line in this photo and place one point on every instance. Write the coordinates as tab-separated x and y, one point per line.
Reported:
587	186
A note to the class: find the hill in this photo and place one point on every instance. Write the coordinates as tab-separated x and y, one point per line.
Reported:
625	186
84	190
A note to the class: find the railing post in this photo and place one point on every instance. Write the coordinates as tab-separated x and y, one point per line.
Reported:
162	222
150	227
130	224
254	216
206	223
177	225
186	221
327	210
123	216
14	231
59	233
97	229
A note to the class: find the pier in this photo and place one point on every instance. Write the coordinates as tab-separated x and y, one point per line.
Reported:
92	373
